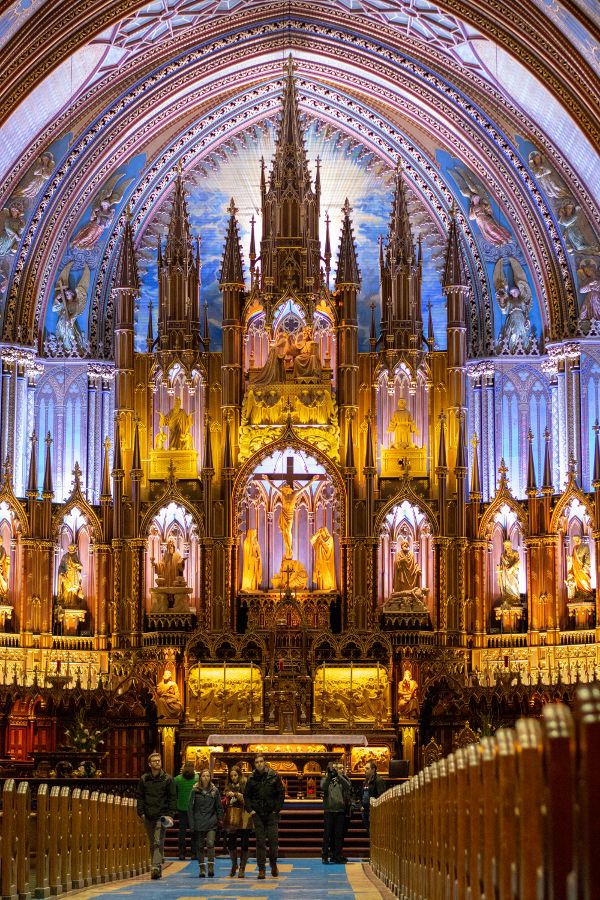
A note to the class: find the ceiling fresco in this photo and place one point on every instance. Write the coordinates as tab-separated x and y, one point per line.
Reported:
478	120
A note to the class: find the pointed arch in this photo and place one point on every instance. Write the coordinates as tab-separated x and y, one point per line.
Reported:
171	494
405	492
573	492
77	500
502	498
7	496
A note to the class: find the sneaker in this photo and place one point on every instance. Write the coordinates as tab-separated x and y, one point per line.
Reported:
155	872
261	875
211	870
202	872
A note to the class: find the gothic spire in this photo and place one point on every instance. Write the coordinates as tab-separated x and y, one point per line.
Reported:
454	267
475	479
289	136
117	460
400	239
531	479
232	270
369	459
347	267
430	331
547	482
179	251
207	462
105	493
350	448
227	455
150	335
327	256
442	459
136	462
461	456
126	272
206	329
32	488
252	254
47	489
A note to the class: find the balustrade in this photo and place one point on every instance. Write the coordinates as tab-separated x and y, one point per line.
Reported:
72	839
513	817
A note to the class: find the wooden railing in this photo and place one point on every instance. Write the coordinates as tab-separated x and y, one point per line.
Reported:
73	839
514	817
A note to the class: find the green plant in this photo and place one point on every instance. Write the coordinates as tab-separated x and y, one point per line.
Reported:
82	736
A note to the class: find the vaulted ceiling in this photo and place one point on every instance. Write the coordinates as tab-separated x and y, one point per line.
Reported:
499	100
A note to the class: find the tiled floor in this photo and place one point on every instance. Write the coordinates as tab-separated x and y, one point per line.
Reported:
299	879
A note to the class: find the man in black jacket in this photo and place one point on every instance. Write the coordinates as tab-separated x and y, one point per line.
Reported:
374	786
264	797
156	804
337	801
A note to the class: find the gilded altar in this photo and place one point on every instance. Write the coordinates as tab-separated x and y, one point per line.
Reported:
311	408
351	694
225	695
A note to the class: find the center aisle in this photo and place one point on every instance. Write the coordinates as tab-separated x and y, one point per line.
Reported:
298	879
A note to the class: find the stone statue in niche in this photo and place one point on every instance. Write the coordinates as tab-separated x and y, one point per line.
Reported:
252	562
70	588
307	360
578	581
408	704
169	570
407	574
324	568
273	371
402	426
168	700
508	574
179	424
513	295
4	573
171	591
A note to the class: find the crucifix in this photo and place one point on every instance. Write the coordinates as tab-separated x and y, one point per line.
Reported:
289	495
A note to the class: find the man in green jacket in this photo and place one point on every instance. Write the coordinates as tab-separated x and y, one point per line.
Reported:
156	804
184	782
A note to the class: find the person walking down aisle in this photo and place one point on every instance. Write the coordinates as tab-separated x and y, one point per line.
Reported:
264	797
184	782
237	821
337	799
205	812
156	804
374	786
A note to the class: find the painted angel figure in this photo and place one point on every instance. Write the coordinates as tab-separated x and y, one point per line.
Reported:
514	299
575	228
12	223
37	176
103	210
480	207
69	302
588	275
546	176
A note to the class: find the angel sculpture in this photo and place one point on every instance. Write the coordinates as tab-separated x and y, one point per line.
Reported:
37	176
480	207
69	302
12	223
103	210
514	299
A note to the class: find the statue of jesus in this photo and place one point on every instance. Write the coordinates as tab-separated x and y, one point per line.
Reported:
403	427
289	498
179	424
170	567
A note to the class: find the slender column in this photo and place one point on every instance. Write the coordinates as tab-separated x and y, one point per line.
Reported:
20	428
4	424
488	446
91	481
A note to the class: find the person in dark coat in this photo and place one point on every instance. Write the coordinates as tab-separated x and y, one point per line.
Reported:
205	812
265	795
234	798
337	799
156	804
374	786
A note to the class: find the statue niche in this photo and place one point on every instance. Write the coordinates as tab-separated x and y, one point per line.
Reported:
171	592
70	610
510	611
403	450
174	444
580	594
6	607
405	566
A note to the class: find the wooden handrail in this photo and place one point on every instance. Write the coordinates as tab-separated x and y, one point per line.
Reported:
74	839
515	817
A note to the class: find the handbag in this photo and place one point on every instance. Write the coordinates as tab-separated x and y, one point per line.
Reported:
234	815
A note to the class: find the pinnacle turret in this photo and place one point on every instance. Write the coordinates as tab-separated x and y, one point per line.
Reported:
454	267
126	271
347	267
400	240
32	486
531	479
47	488
179	248
547	482
232	270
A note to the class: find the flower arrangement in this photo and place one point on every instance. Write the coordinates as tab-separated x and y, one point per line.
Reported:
82	737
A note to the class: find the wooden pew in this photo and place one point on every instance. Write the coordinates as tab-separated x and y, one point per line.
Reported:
515	817
8	848
42	843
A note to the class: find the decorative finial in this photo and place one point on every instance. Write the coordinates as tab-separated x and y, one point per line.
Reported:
77	477
346	208
474	442
128	211
179	168
530	436
106	443
232	209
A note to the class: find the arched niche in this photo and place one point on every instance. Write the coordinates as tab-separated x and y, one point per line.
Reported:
401	385
173	523
260	506
74	542
10	567
505	526
288	317
405	521
188	387
574	522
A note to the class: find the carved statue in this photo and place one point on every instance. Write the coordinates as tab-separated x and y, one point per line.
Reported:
273	371
70	591
252	560
324	568
289	497
407	574
508	574
547	176
4	572
68	303
408	705
307	361
179	424
575	228
170	568
589	285
168	701
514	299
402	425
578	571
